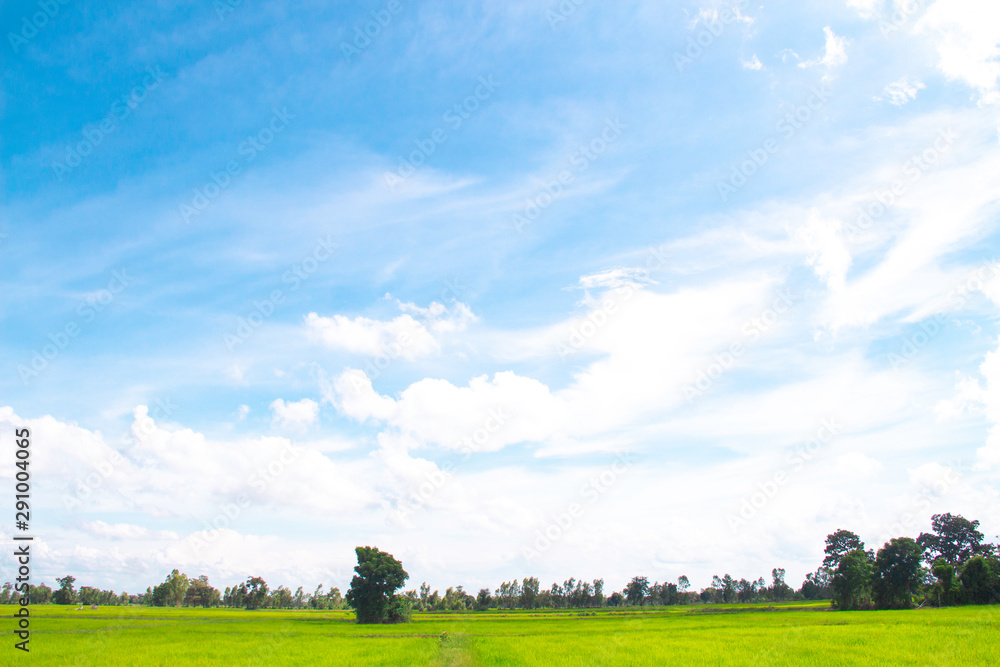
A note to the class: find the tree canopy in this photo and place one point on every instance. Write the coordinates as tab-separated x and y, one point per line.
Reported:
373	588
955	539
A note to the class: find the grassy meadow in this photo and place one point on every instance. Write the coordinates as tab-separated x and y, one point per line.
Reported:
782	634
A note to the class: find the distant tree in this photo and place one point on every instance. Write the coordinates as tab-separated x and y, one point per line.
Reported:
980	578
637	590
946	591
529	593
852	581
955	539
598	598
40	594
683	583
897	573
728	588
255	593
483	599
201	594
373	588
616	599
779	589
299	600
838	545
817	585
90	595
281	598
66	594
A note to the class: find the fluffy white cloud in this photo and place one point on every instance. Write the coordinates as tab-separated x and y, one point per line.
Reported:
902	91
296	414
866	8
834	51
126	531
404	336
966	35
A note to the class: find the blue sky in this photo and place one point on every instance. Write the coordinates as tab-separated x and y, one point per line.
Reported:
739	259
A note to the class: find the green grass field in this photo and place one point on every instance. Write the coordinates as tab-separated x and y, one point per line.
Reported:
790	634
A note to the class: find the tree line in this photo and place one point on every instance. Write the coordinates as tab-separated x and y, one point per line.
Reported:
950	565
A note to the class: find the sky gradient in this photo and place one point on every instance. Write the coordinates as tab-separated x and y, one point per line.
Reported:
503	288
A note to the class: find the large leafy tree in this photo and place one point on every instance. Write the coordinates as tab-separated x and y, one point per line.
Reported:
637	590
256	593
65	594
838	545
981	580
201	594
897	573
372	593
955	539
852	581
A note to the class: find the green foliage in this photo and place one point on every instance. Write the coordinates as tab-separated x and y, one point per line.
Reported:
947	590
838	545
852	581
372	591
897	573
66	594
955	539
981	580
683	635
483	599
201	594
637	590
255	593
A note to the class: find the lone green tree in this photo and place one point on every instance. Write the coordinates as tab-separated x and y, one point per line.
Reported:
256	593
897	573
372	593
65	594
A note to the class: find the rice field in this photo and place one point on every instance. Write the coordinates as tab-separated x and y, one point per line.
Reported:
790	634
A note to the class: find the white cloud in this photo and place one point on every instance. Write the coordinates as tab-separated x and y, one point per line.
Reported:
752	64
295	414
856	464
834	51
404	336
966	35
614	278
899	93
866	8
126	531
